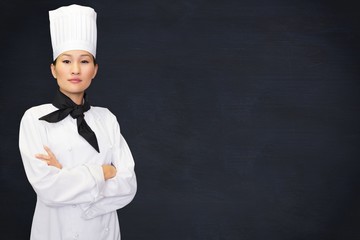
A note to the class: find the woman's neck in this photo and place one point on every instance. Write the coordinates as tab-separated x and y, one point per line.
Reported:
77	98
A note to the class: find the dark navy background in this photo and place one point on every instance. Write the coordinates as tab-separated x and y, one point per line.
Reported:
242	116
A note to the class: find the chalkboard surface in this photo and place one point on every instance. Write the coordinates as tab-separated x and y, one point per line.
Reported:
242	116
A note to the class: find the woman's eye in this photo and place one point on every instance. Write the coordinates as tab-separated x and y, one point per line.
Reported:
84	61
66	61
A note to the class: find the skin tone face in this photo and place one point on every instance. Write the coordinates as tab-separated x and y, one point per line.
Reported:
74	71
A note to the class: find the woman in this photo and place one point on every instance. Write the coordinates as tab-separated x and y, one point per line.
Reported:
74	155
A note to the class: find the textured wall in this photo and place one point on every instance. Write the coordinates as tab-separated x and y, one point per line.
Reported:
242	116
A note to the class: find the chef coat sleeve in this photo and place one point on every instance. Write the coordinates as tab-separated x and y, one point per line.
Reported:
53	186
120	190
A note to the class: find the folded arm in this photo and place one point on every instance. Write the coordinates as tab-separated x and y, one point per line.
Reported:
120	190
53	184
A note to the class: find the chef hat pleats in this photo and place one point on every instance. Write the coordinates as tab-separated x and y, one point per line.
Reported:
73	28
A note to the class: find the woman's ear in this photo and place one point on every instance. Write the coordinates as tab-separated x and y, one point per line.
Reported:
95	70
52	68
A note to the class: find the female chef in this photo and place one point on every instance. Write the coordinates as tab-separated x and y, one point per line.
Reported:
74	155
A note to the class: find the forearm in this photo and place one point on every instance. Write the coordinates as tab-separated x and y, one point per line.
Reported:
119	190
81	184
117	193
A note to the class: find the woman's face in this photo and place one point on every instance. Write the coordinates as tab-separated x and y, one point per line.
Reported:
74	71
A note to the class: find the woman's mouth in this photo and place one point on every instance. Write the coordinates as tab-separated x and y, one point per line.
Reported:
75	80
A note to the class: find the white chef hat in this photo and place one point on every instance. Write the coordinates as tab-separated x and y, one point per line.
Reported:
73	28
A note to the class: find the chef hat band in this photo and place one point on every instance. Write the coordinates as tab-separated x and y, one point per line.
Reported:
73	28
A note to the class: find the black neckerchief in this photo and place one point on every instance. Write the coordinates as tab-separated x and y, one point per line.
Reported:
65	107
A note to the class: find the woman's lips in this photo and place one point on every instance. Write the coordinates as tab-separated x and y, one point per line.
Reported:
75	80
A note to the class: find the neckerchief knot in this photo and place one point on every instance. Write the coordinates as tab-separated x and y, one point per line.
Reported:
77	111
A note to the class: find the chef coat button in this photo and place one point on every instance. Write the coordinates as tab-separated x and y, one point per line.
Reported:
74	206
106	229
76	236
70	149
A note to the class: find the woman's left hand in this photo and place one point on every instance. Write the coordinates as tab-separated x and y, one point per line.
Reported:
50	158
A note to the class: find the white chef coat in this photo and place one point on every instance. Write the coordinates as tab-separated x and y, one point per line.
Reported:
75	202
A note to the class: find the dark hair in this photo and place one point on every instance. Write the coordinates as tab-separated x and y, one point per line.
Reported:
94	59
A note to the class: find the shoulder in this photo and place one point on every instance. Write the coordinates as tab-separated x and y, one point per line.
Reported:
38	111
106	117
102	113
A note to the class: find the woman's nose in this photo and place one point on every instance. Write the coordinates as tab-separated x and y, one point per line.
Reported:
75	69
